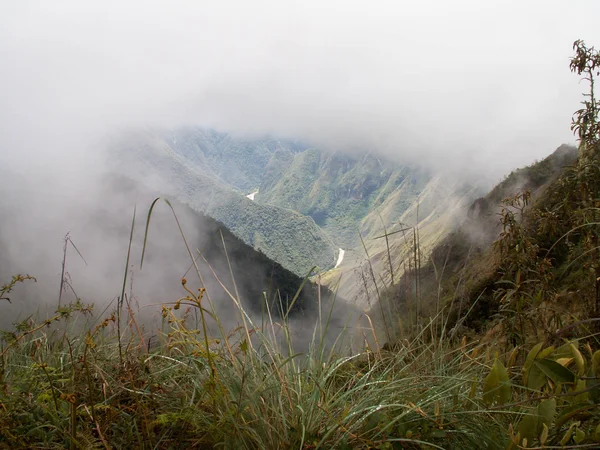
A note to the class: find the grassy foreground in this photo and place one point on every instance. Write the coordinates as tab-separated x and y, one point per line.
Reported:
71	382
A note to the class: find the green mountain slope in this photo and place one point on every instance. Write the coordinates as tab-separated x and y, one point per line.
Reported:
306	199
101	225
255	275
339	191
346	196
283	235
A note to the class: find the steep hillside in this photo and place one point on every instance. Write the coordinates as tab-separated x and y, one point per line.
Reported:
100	227
283	235
437	211
340	191
352	197
505	251
237	162
303	199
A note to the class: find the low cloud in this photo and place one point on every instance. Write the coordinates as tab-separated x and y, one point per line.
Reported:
485	84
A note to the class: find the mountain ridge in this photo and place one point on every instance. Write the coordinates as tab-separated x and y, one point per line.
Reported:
284	235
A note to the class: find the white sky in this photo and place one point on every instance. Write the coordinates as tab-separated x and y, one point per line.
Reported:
483	85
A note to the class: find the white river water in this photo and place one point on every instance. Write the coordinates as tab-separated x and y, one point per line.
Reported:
340	258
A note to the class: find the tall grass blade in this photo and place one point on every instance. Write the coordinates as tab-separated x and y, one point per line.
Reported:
122	297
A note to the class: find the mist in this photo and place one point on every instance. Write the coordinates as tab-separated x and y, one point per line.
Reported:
433	81
474	87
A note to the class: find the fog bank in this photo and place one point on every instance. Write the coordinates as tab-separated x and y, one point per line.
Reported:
466	82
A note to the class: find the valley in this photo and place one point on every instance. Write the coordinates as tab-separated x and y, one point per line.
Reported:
304	201
300	225
284	235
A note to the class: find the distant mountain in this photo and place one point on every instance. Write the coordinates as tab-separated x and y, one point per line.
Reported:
193	173
307	206
239	163
340	191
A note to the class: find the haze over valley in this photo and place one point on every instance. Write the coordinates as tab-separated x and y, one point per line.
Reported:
307	224
300	142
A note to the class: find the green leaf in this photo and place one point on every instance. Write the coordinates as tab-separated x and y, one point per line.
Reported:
579	436
579	361
596	363
546	411
581	386
545	352
555	371
529	360
533	353
567	436
536	378
544	434
490	385
504	394
496	385
565	350
528	427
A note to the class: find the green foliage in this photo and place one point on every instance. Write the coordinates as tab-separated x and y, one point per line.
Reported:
496	385
240	390
285	236
544	272
560	392
526	273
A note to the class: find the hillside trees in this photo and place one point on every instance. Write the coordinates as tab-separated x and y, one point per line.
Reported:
554	246
586	63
